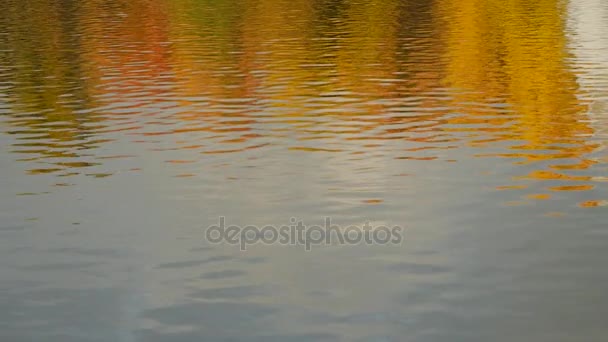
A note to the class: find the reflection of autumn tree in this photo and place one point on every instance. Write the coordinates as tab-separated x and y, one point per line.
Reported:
276	42
35	49
424	72
49	89
347	58
336	57
127	42
291	55
367	56
514	52
64	56
205	36
208	59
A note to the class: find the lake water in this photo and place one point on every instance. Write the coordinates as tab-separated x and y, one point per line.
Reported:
127	127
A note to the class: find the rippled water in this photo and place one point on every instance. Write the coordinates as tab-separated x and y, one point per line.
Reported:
479	126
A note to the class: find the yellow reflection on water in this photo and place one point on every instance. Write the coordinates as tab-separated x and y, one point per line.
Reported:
408	81
507	63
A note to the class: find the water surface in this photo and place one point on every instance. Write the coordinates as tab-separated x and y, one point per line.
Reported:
479	126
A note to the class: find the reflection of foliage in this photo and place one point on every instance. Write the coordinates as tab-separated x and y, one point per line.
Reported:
57	54
65	60
36	50
46	84
515	52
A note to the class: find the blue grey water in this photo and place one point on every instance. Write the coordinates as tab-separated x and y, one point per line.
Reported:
129	127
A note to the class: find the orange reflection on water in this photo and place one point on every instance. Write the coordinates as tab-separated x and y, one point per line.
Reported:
410	82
